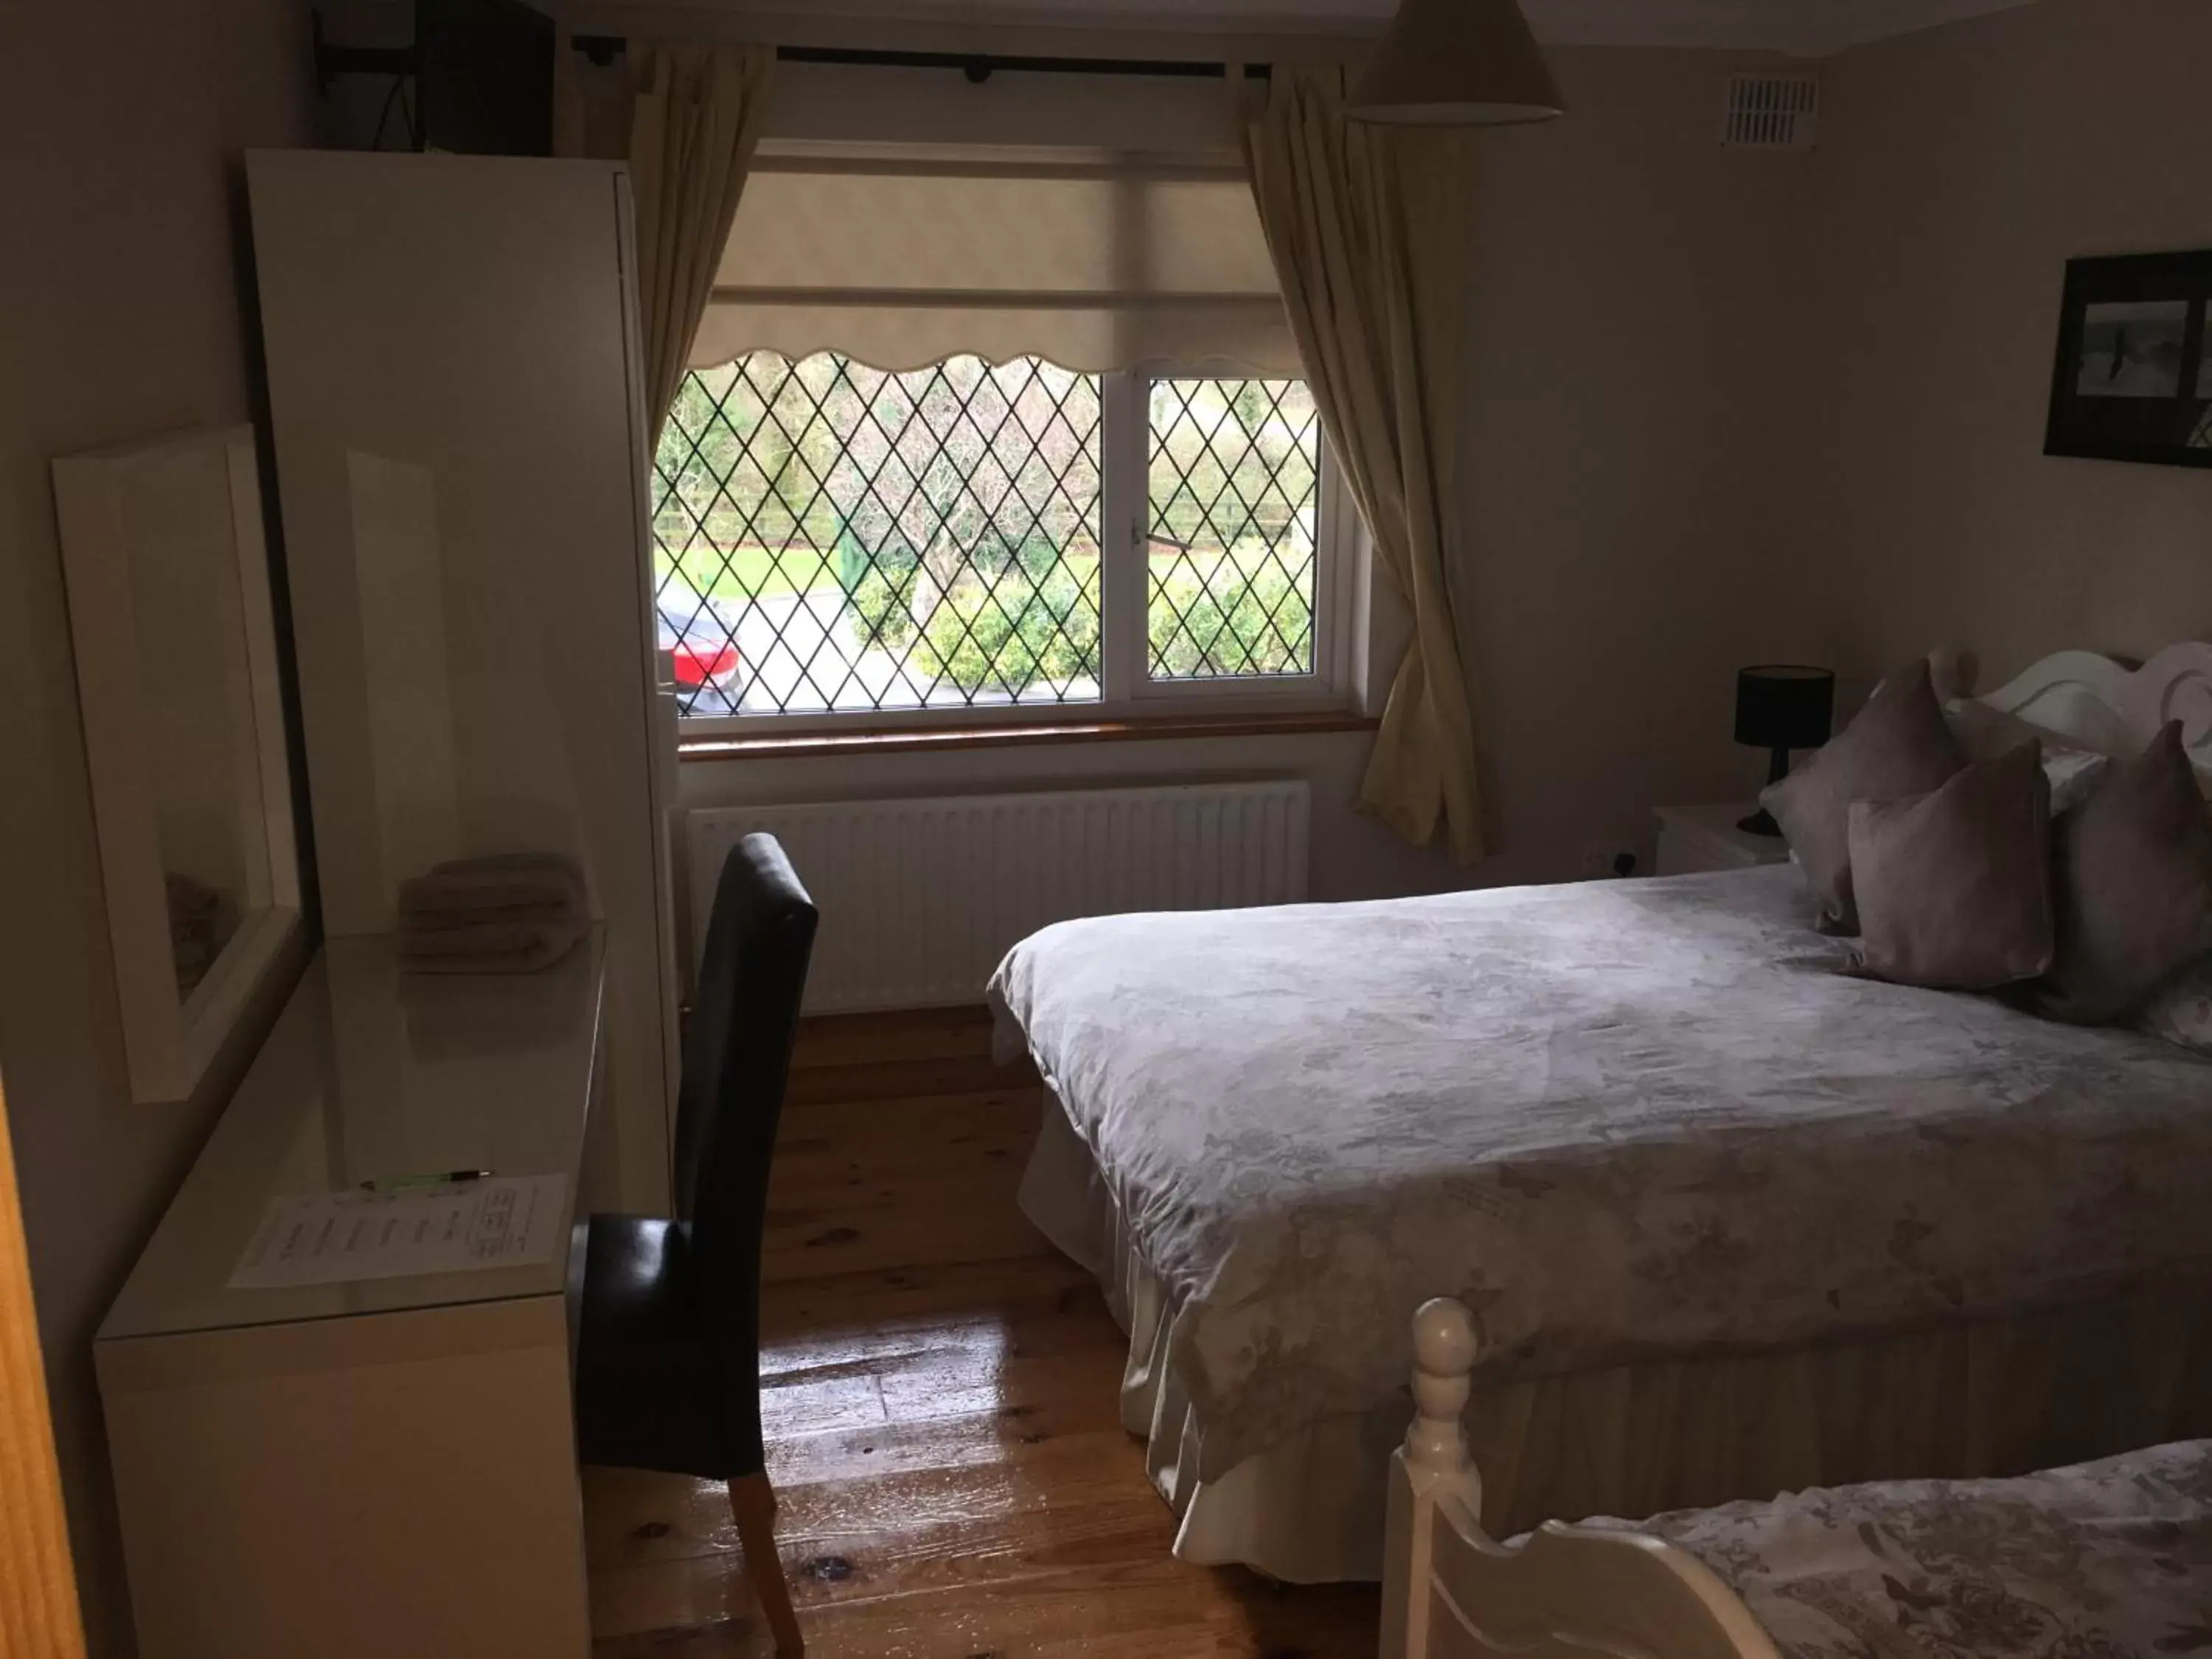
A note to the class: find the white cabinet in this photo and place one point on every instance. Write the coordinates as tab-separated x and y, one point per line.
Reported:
377	1466
1694	839
460	454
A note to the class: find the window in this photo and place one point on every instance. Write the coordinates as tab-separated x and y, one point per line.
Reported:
1235	476
836	540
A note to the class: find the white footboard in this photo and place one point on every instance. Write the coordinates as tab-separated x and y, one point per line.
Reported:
1451	1592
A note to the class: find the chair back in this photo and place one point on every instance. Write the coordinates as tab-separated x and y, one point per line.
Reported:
736	1061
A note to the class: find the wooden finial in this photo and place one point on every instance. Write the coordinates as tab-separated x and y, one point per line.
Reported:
1431	1476
1444	1350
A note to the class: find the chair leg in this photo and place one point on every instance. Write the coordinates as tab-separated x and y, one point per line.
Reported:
752	1505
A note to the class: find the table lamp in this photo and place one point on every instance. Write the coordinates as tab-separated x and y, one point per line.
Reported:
1780	706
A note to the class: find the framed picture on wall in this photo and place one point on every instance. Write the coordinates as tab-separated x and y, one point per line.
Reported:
2133	381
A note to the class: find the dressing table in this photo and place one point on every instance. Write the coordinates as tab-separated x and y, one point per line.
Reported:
385	1466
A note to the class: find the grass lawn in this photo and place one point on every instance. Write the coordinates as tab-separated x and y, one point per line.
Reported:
754	572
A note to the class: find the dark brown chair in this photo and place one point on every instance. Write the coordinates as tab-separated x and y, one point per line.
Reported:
668	1357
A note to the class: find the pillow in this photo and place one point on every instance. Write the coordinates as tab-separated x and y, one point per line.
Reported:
1897	745
1984	733
2134	886
1953	887
2181	1009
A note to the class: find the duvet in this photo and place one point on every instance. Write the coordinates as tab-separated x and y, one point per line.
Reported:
1620	1120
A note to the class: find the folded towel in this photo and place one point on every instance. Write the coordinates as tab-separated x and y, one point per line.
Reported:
196	927
519	962
189	900
498	882
512	913
430	924
492	949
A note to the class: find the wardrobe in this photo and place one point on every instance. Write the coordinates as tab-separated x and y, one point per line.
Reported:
460	443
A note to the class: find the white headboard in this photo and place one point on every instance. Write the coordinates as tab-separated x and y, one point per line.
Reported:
2104	704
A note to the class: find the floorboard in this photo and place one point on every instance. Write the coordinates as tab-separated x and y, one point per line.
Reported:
941	1393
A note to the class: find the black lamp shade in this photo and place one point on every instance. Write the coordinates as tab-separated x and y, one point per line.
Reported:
1784	706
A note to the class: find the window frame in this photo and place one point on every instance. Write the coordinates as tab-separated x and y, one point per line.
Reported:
1323	688
1127	690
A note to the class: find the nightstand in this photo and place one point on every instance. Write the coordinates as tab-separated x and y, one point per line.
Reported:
1698	838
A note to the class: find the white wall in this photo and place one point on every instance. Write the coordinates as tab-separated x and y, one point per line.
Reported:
121	290
1626	466
1960	169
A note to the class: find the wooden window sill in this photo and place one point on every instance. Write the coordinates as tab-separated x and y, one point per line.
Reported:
930	739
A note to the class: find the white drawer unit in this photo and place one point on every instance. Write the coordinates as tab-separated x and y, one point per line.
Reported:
379	1466
1692	839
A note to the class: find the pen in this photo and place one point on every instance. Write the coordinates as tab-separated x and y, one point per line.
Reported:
440	1178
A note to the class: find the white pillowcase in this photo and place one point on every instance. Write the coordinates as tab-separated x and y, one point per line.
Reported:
1985	733
2073	773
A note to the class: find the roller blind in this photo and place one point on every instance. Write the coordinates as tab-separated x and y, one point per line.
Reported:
903	259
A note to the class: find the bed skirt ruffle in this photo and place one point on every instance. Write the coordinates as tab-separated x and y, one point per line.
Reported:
2001	1397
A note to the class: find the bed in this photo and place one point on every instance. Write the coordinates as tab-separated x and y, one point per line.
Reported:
1732	1221
2108	1559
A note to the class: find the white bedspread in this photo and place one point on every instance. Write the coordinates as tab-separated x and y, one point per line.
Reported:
1618	1120
2104	1560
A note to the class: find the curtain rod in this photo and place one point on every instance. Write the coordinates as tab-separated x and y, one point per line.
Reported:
978	66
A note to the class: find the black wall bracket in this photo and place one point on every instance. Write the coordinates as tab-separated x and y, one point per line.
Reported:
331	61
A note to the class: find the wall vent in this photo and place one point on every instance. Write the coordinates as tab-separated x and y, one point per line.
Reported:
1773	111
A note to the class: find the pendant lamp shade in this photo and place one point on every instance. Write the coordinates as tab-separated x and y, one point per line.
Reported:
1456	63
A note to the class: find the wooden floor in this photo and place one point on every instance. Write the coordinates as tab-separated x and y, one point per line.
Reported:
940	1403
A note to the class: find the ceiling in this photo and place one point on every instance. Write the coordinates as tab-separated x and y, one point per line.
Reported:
1816	27
1813	28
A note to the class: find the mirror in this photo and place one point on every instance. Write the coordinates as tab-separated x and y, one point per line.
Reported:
176	669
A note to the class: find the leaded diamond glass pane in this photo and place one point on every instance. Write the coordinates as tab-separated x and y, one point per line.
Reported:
831	537
1234	488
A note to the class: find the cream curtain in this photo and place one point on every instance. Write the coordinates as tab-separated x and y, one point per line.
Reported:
693	118
1367	231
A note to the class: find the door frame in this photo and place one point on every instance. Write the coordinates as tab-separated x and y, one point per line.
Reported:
37	1580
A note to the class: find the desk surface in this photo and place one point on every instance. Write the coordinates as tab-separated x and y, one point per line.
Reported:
371	1073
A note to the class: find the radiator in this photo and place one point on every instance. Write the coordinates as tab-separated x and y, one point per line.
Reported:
920	899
